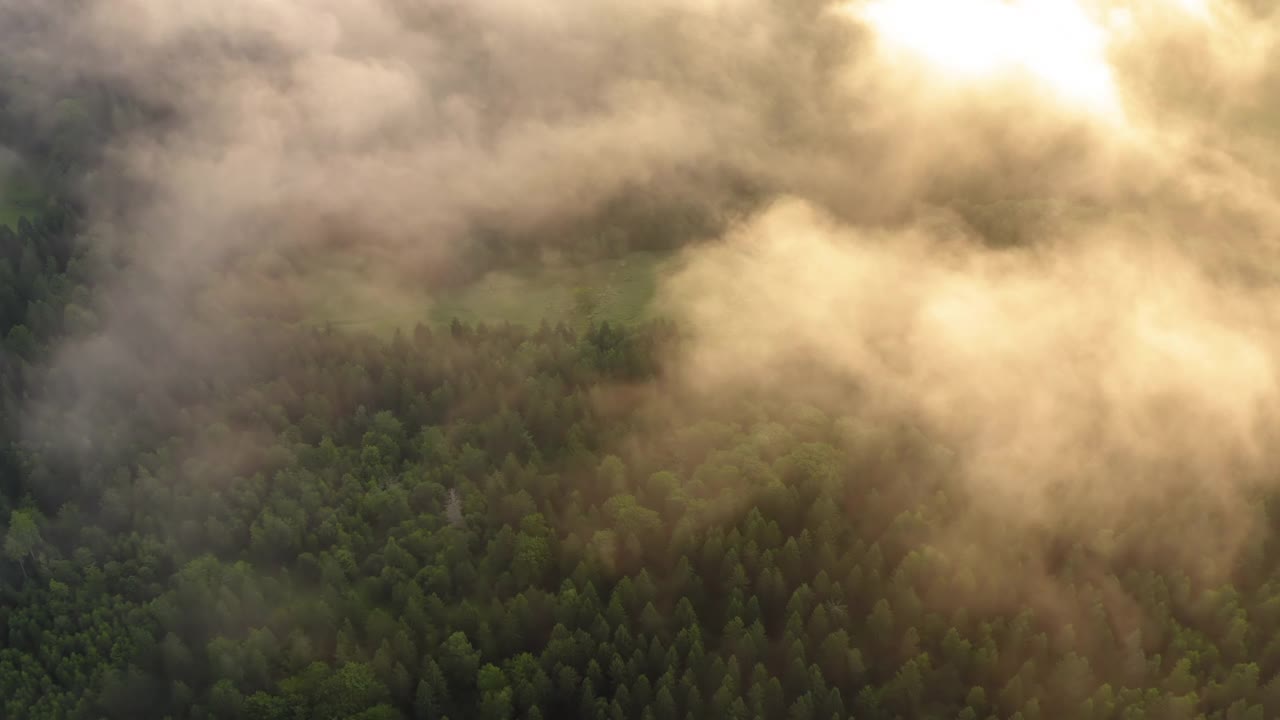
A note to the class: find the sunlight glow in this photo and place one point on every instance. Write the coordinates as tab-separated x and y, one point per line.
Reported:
1055	42
1195	8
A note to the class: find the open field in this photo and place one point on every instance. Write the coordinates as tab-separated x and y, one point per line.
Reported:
619	291
18	200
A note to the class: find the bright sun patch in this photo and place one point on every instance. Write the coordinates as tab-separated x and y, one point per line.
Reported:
1055	42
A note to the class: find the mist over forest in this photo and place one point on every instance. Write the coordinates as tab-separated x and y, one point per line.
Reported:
697	359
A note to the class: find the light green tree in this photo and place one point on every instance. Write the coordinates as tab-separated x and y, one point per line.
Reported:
23	538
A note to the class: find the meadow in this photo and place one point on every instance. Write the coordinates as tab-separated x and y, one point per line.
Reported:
617	290
19	199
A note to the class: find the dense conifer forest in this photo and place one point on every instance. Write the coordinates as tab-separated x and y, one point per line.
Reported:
446	524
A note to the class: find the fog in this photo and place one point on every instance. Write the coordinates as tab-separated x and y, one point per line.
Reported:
1045	230
1120	356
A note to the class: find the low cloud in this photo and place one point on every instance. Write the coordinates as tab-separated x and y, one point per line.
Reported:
1059	255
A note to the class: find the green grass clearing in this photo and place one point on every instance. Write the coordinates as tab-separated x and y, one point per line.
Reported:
621	290
19	199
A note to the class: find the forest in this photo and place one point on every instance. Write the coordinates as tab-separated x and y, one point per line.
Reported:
216	502
428	526
446	523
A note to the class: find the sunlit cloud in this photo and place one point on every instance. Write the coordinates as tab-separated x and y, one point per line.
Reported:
1055	44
